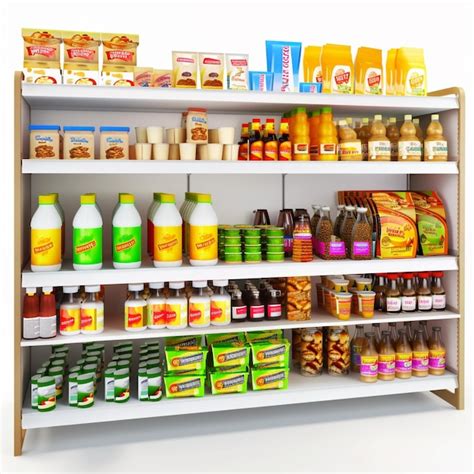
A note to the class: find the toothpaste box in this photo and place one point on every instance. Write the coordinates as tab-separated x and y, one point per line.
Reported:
283	59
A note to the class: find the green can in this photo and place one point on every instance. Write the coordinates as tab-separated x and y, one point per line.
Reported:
233	258
109	381
58	374
275	241
92	360
123	364
42	371
72	392
251	232
127	357
155	390
75	368
46	364
81	361
91	369
232	241
46	394
276	256
142	384
275	248
252	257
85	390
252	241
274	232
115	357
121	385
152	363
232	232
59	362
253	249
34	391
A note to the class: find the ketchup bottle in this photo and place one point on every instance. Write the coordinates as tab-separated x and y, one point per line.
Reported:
31	310
47	313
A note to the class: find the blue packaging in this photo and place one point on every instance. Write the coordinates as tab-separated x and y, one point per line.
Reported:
312	87
261	80
283	59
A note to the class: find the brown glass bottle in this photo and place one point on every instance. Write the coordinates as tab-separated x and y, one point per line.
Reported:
437	353
437	290
255	306
408	294
420	358
379	289
238	307
273	305
346	227
393	299
286	220
244	143
424	298
386	363
339	220
361	237
403	356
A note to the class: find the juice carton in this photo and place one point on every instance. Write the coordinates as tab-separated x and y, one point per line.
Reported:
390	72
368	71
283	59
312	64
411	72
337	69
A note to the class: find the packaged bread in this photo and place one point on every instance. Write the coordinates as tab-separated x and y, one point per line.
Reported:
298	298
119	59
211	69
184	69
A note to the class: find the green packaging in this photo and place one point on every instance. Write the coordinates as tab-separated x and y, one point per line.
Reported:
46	394
231	241
182	359
228	354
72	392
256	336
121	385
273	353
183	341
233	258
34	391
109	384
225	337
252	257
154	383
232	232
185	385
142	384
268	379
58	374
85	390
228	382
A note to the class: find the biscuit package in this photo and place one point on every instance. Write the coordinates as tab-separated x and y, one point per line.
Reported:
226	337
161	78
184	69
195	122
228	382
184	385
268	379
273	353
230	354
119	59
298	298
237	71
211	69
186	359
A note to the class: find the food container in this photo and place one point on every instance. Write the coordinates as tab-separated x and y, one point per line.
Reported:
232	241
272	353
231	152
154	382
251	232
184	385
253	248
229	354
228	382
161	151
114	143
184	69
250	240
339	285
275	256
320	295
237	71
274	248
211	68
196	127
78	143
214	151
311	87
365	303
363	284
233	258
184	359
274	240
338	350
232	232
46	393
342	305
310	353
44	142
352	279
253	257
272	231
226	135
269	379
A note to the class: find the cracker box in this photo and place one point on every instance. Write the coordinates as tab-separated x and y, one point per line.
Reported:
225	354
273	353
269	379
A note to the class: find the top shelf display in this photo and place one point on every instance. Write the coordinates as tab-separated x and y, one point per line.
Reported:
142	99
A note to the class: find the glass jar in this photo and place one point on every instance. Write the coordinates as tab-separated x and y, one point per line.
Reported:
338	350
311	352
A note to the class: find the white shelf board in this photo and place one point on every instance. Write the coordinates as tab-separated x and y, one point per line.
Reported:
234	167
300	390
68	97
114	330
147	273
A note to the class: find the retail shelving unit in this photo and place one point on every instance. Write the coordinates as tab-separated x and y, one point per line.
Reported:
237	188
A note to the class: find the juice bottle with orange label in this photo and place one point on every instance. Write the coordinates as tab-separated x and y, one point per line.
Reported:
255	141
364	135
314	119
244	143
270	145
337	69
284	144
411	72
436	146
393	135
379	144
327	134
350	148
409	146
312	64
368	71
300	131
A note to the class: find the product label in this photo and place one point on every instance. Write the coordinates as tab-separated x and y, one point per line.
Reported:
89	319
368	366
244	152
168	243
437	359
317	74
403	362
85	394
69	320
142	388
425	303
109	388
394	304
87	246
47	326
127	244
34	395
199	314
435	148
46	397
355	354
333	249
176	314
220	311
257	312
361	249
273	311
350	150
154	388
408	303
203	242
31	328
393	151
386	364
378	150
341	80
284	151
45	247
420	361
328	148
72	393
239	312
408	148
373	81
300	148
271	151
156	314
439	302
134	316
256	151
122	389
415	82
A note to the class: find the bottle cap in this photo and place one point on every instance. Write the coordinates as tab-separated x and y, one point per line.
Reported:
47	290
88	198
407	275
204	198
315	113
407	117
365	121
156	285
176	285
220	282
200	284
300	110
342	123
70	289
340	207
92	288
416	121
46	199
378	117
392	120
362	210
438	274
435	117
156	196
326	110
349	120
31	291
350	208
136	287
168	199
326	208
126	198
424	274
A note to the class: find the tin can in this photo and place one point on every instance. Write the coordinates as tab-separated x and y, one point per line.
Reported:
46	394
85	390
121	385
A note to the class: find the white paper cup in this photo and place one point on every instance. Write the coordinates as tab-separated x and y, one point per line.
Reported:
231	152
143	151
213	135
154	134
161	151
202	152
187	151
174	152
226	135
214	151
140	134
176	135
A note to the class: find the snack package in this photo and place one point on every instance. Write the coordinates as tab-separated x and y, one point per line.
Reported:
184	385
184	69
161	78
142	76
338	69
267	335
229	354
268	379
274	353
226	337
261	81
431	223
237	71
41	51
312	64
119	59
211	70
183	341
411	72
228	382
283	59
186	359
298	298
390	72
195	121
368	71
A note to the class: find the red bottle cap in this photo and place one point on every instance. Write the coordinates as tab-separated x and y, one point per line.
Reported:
438	274
424	274
407	275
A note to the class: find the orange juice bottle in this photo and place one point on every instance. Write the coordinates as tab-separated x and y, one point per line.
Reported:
270	142
350	148
337	69
379	144
390	72
409	146
393	135
436	146
255	141
284	144
300	135
312	64
364	135
411	72
327	134
313	134
368	71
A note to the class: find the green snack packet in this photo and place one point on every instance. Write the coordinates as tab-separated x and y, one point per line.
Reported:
185	359
227	354
268	379
183	341
226	337
228	382
273	353
256	336
186	385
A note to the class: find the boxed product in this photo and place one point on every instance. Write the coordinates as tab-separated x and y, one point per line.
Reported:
211	69
161	78
228	354
119	59
184	69
184	385
270	334
268	379
186	359
337	69
270	353
283	59
183	341
237	71
228	381
142	76
298	298
261	81
226	337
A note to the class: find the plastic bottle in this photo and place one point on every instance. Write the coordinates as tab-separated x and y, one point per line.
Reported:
46	227
419	133
47	313
438	292
350	147
176	307
302	240
156	307
437	353
369	360
199	314
70	312
270	145
284	143
203	232
379	144
409	146
135	309
168	230
386	363
255	141
424	298
187	211
60	210
87	235
357	344
300	135
126	234
393	299
436	146
393	134
327	134
220	304
244	143
420	360
403	356
363	136
314	119
408	294
92	311
31	314
150	230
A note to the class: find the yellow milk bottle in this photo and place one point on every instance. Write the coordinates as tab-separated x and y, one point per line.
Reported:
409	146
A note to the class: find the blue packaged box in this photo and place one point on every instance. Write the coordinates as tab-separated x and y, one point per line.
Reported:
311	87
261	81
283	59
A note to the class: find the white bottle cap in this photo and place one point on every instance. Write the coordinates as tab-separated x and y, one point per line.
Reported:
326	208
342	123
340	206
136	287
156	285
92	288
70	289
220	282
377	117
362	209
408	117
350	208
47	289
176	285
200	284
435	117
31	291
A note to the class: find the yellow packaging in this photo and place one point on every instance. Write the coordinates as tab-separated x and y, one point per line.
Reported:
184	69
45	247
391	71
120	49
368	71
312	64
411	72
161	78
168	246
337	69
211	69
203	242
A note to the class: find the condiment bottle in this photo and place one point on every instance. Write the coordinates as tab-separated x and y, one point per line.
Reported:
92	311
47	313
409	329
339	219
238	307
135	309
60	210
436	146
150	229
199	306
314	120
393	299
386	362
314	224
300	135
379	289
70	313
424	298
403	356
357	344
176	307
393	134
302	240
350	147
361	237
31	314
255	141
156	307
420	355
346	227
409	146
363	136
270	143
324	231
285	220
408	294
273	309
327	135
244	143
377	333
284	144
424	328
379	144
369	360
437	290
419	134
256	308
220	304
437	353
393	333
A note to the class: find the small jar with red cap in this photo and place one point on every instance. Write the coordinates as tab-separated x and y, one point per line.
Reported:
393	297
437	290
408	293
424	298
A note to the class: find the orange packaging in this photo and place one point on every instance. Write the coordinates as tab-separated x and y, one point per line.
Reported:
368	71
300	135
337	69
365	303
411	72
390	72
313	135
312	64
327	136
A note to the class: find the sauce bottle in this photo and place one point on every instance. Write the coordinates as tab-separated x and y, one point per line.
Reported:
408	294
339	219
361	237
347	226
244	143
314	120
156	307
302	240
135	309
420	355
238	307
357	344
378	335
31	314
424	328
424	298
70	312
220	304
437	353
409	329
176	307
386	362
273	310
324	232
363	136
256	308
369	360
47	313
419	134
255	141
379	289
284	144
393	333
199	306
350	147
92	311
436	146
270	145
393	299
403	356
409	146
379	144
393	134
437	290
327	135
300	135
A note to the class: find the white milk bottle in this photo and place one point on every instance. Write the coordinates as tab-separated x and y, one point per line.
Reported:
149	224
60	210
176	307
135	309
199	306
220	304
156	307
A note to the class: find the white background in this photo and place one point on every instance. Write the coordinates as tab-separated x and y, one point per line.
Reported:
403	433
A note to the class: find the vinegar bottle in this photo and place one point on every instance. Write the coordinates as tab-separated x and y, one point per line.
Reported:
409	146
437	353
327	135
31	314
379	144
369	360
270	145
419	133
436	146
300	135
437	290
255	141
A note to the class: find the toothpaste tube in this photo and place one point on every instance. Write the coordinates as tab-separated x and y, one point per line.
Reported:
261	81
283	59
312	87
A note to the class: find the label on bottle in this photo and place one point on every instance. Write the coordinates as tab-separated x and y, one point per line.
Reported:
89	319
176	314
271	151
425	302
403	362
273	311
379	149
409	148
373	81
156	314
365	151
239	312
257	312
284	151
394	304
47	326
72	392
256	151
134	316
437	359
46	397
408	303
420	361
386	364
87	246
439	302
69	320
341	80
393	151
300	148
333	249
45	247
199	314
127	244
142	388
435	148
31	328
356	350
361	249
350	150
85	394
415	83
288	244
368	365
314	151
328	148
168	243
244	152
220	311
203	242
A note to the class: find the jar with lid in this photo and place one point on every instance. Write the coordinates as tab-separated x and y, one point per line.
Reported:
437	290
273	309
386	362
361	237
78	143
311	352
238	307
369	360
420	358
114	143
437	353
256	308
393	299
338	350
424	297
346	227
379	289
408	294
339	219
403	356
45	142
357	344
